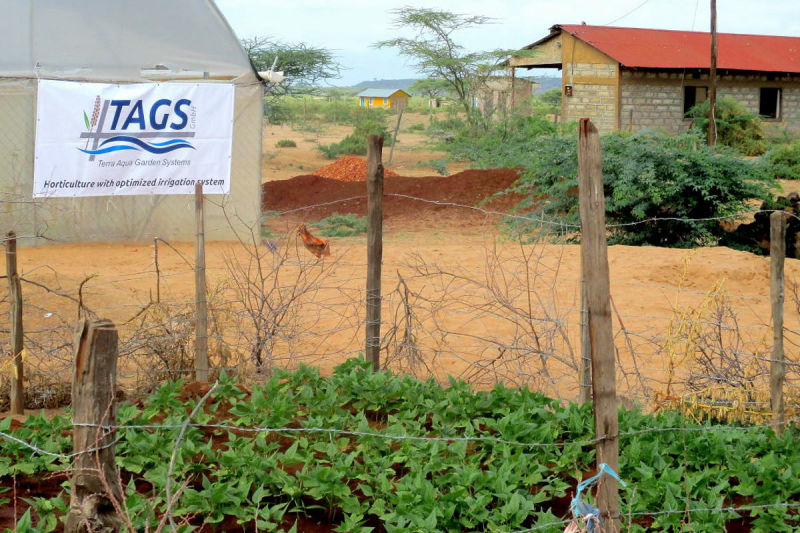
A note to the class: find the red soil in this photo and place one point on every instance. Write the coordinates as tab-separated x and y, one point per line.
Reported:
314	197
349	168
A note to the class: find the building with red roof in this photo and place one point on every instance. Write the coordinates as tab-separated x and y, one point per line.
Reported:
635	78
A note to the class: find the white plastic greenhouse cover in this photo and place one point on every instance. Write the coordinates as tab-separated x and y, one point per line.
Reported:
121	41
117	40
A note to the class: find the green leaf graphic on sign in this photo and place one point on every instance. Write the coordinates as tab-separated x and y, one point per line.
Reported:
86	120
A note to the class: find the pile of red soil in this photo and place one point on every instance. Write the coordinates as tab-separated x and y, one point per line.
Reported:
349	168
413	203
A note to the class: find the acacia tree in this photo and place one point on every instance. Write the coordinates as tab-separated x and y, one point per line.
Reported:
439	56
304	67
430	87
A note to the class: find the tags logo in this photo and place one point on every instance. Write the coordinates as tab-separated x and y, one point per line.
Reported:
117	125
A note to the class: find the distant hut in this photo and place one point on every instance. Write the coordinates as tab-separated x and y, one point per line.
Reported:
385	98
502	93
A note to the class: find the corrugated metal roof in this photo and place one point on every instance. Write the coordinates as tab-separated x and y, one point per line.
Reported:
380	93
662	49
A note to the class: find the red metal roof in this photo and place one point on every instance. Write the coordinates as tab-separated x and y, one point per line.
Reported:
663	49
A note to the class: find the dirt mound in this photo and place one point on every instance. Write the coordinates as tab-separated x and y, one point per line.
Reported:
349	168
413	202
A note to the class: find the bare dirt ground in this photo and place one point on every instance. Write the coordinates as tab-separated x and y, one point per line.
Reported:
410	154
468	281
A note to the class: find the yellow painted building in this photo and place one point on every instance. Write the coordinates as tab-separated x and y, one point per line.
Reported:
385	98
637	78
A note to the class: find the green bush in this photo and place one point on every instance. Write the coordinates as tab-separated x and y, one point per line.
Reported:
286	143
736	126
783	162
647	177
419	126
338	225
355	143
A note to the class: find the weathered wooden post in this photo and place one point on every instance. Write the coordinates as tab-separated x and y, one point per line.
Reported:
374	248
201	305
594	262
17	393
777	366
585	367
94	476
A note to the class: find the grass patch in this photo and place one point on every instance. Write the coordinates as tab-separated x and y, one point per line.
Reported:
338	225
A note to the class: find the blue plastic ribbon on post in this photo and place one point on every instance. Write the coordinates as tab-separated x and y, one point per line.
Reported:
580	508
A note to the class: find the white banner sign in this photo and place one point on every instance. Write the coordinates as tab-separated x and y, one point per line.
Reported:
95	139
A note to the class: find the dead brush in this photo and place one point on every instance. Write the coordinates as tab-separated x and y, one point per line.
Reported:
717	372
159	341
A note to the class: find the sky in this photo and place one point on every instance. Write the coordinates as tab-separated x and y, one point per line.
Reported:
349	28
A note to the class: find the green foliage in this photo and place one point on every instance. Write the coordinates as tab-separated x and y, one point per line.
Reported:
440	57
337	225
356	142
783	161
506	143
736	127
647	176
286	143
430	88
417	126
511	455
305	67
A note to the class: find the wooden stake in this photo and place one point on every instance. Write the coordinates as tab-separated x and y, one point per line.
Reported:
158	272
594	261
777	366
17	392
374	248
94	480
585	367
396	131
201	306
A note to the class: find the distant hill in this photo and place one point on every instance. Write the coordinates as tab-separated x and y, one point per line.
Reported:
386	84
547	83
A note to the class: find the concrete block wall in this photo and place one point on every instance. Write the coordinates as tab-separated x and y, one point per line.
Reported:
652	105
655	99
594	94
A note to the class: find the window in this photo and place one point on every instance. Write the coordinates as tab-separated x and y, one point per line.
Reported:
385	101
693	96
769	102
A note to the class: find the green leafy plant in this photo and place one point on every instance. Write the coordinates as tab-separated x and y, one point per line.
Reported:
784	161
355	449
286	143
337	225
660	190
356	143
736	126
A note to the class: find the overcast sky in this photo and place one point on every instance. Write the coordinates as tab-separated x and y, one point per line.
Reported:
350	27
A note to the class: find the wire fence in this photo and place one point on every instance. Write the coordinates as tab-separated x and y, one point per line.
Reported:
689	335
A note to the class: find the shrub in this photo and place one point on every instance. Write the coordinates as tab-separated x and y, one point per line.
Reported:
355	143
338	225
783	162
419	126
286	143
647	176
736	126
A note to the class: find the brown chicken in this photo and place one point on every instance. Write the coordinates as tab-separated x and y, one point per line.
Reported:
318	247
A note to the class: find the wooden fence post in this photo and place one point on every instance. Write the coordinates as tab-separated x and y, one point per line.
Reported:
585	367
777	367
17	393
94	479
594	262
201	305
374	248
